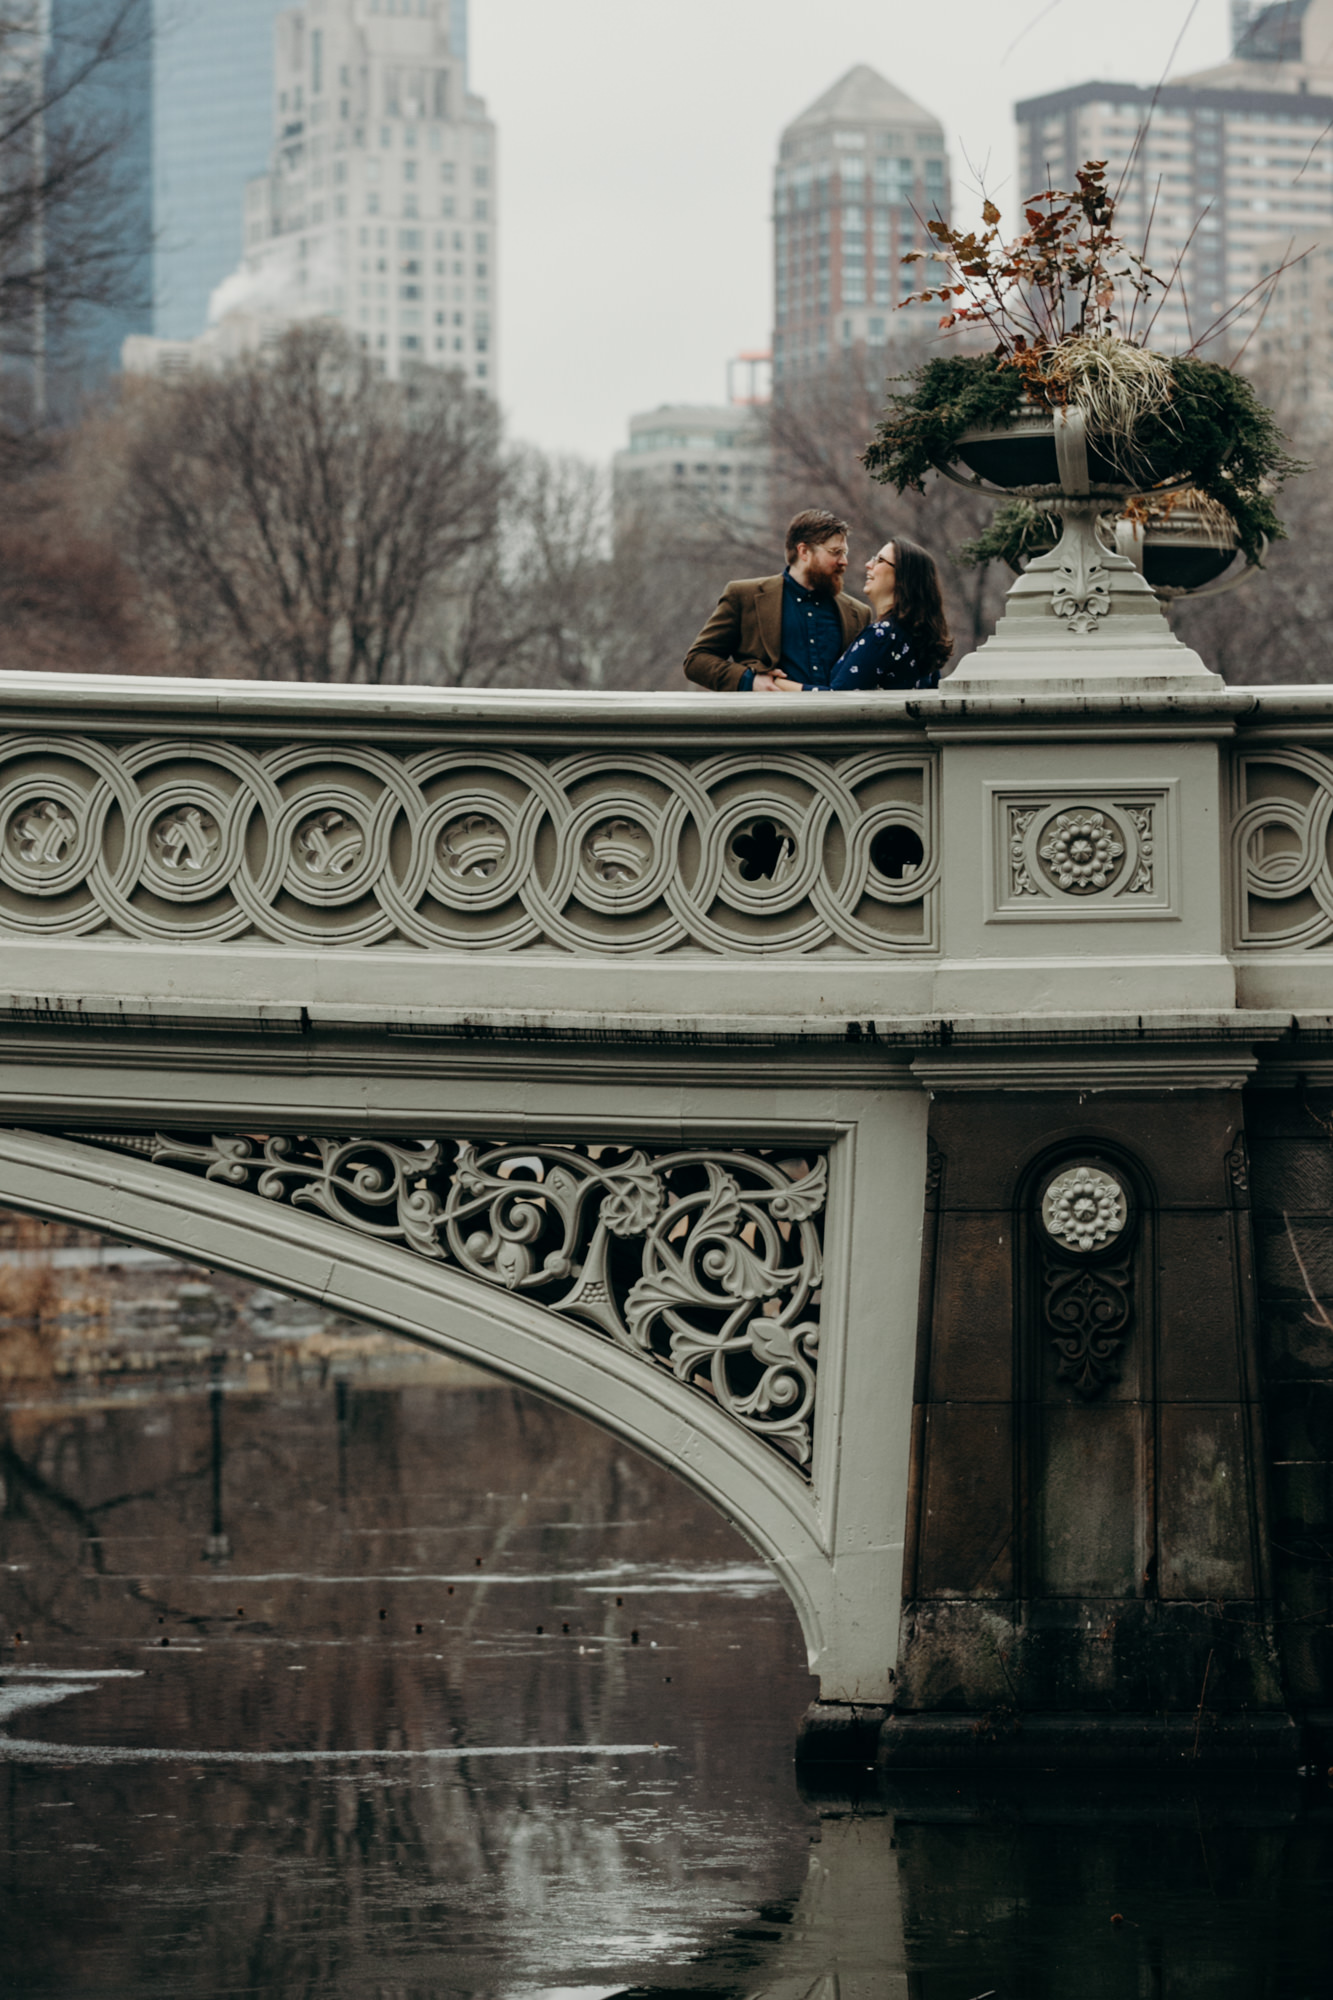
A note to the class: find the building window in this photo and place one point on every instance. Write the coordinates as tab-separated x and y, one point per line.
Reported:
481	177
481	211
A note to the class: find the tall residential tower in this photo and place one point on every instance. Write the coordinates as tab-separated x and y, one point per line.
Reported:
379	205
1227	173
859	175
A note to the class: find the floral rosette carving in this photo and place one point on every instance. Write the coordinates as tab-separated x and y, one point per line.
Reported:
1084	1208
707	1263
1082	851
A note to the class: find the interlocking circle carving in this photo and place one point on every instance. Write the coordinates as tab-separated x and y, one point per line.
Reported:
1282	852
1084	1208
468	850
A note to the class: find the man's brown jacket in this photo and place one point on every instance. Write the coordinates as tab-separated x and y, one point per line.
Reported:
746	631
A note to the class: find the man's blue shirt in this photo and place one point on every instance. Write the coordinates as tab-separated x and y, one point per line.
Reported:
811	636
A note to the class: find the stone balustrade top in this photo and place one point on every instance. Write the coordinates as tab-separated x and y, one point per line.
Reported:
1051	850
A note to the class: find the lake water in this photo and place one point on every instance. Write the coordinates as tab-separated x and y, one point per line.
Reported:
411	1685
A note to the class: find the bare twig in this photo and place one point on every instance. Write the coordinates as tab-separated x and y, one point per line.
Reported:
1320	1315
1157	91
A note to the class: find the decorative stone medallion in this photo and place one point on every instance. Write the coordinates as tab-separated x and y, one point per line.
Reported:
42	833
1082	851
1058	857
473	847
618	852
186	840
329	845
1084	1208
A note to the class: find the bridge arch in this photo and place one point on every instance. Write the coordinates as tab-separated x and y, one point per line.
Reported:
438	1306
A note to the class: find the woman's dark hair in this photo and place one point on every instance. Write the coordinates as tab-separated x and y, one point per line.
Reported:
918	606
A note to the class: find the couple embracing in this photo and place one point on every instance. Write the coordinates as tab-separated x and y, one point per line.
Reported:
798	632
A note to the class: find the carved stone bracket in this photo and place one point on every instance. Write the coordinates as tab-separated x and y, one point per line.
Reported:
1081	586
705	1262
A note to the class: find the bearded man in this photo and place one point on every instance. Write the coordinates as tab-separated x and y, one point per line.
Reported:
781	634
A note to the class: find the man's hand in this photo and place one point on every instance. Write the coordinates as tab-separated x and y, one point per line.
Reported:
774	683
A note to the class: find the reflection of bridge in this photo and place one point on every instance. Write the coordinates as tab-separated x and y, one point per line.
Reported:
634	1047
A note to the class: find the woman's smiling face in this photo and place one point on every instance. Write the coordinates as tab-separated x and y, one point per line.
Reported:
880	572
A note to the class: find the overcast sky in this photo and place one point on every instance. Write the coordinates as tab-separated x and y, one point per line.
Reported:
637	145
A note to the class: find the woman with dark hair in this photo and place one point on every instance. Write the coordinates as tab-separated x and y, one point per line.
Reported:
908	645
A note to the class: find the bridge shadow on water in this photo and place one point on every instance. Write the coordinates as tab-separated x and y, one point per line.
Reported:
333	1668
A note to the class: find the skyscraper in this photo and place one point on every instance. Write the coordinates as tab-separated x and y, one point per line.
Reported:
1226	174
212	128
379	205
191	101
859	174
195	102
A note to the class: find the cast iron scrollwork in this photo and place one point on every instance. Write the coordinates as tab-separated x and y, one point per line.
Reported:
705	1262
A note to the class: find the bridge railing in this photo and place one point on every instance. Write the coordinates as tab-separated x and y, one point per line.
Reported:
465	827
872	846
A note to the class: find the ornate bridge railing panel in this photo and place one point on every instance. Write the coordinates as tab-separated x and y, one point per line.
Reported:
1281	856
705	1262
633	853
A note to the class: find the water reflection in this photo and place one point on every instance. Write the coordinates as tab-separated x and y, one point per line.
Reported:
406	1684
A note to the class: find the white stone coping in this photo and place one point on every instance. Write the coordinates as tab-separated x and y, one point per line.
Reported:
121	700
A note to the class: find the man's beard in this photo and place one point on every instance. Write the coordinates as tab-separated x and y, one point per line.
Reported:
825	586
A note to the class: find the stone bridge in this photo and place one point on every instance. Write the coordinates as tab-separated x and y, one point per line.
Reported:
843	1100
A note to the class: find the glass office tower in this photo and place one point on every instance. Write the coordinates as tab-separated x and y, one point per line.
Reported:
198	105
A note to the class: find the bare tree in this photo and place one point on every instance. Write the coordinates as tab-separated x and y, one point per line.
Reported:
297	517
64	179
571	599
820	428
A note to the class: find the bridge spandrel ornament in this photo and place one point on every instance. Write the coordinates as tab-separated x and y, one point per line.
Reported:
480	850
706	1263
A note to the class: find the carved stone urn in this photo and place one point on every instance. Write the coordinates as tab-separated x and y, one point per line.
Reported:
1083	614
